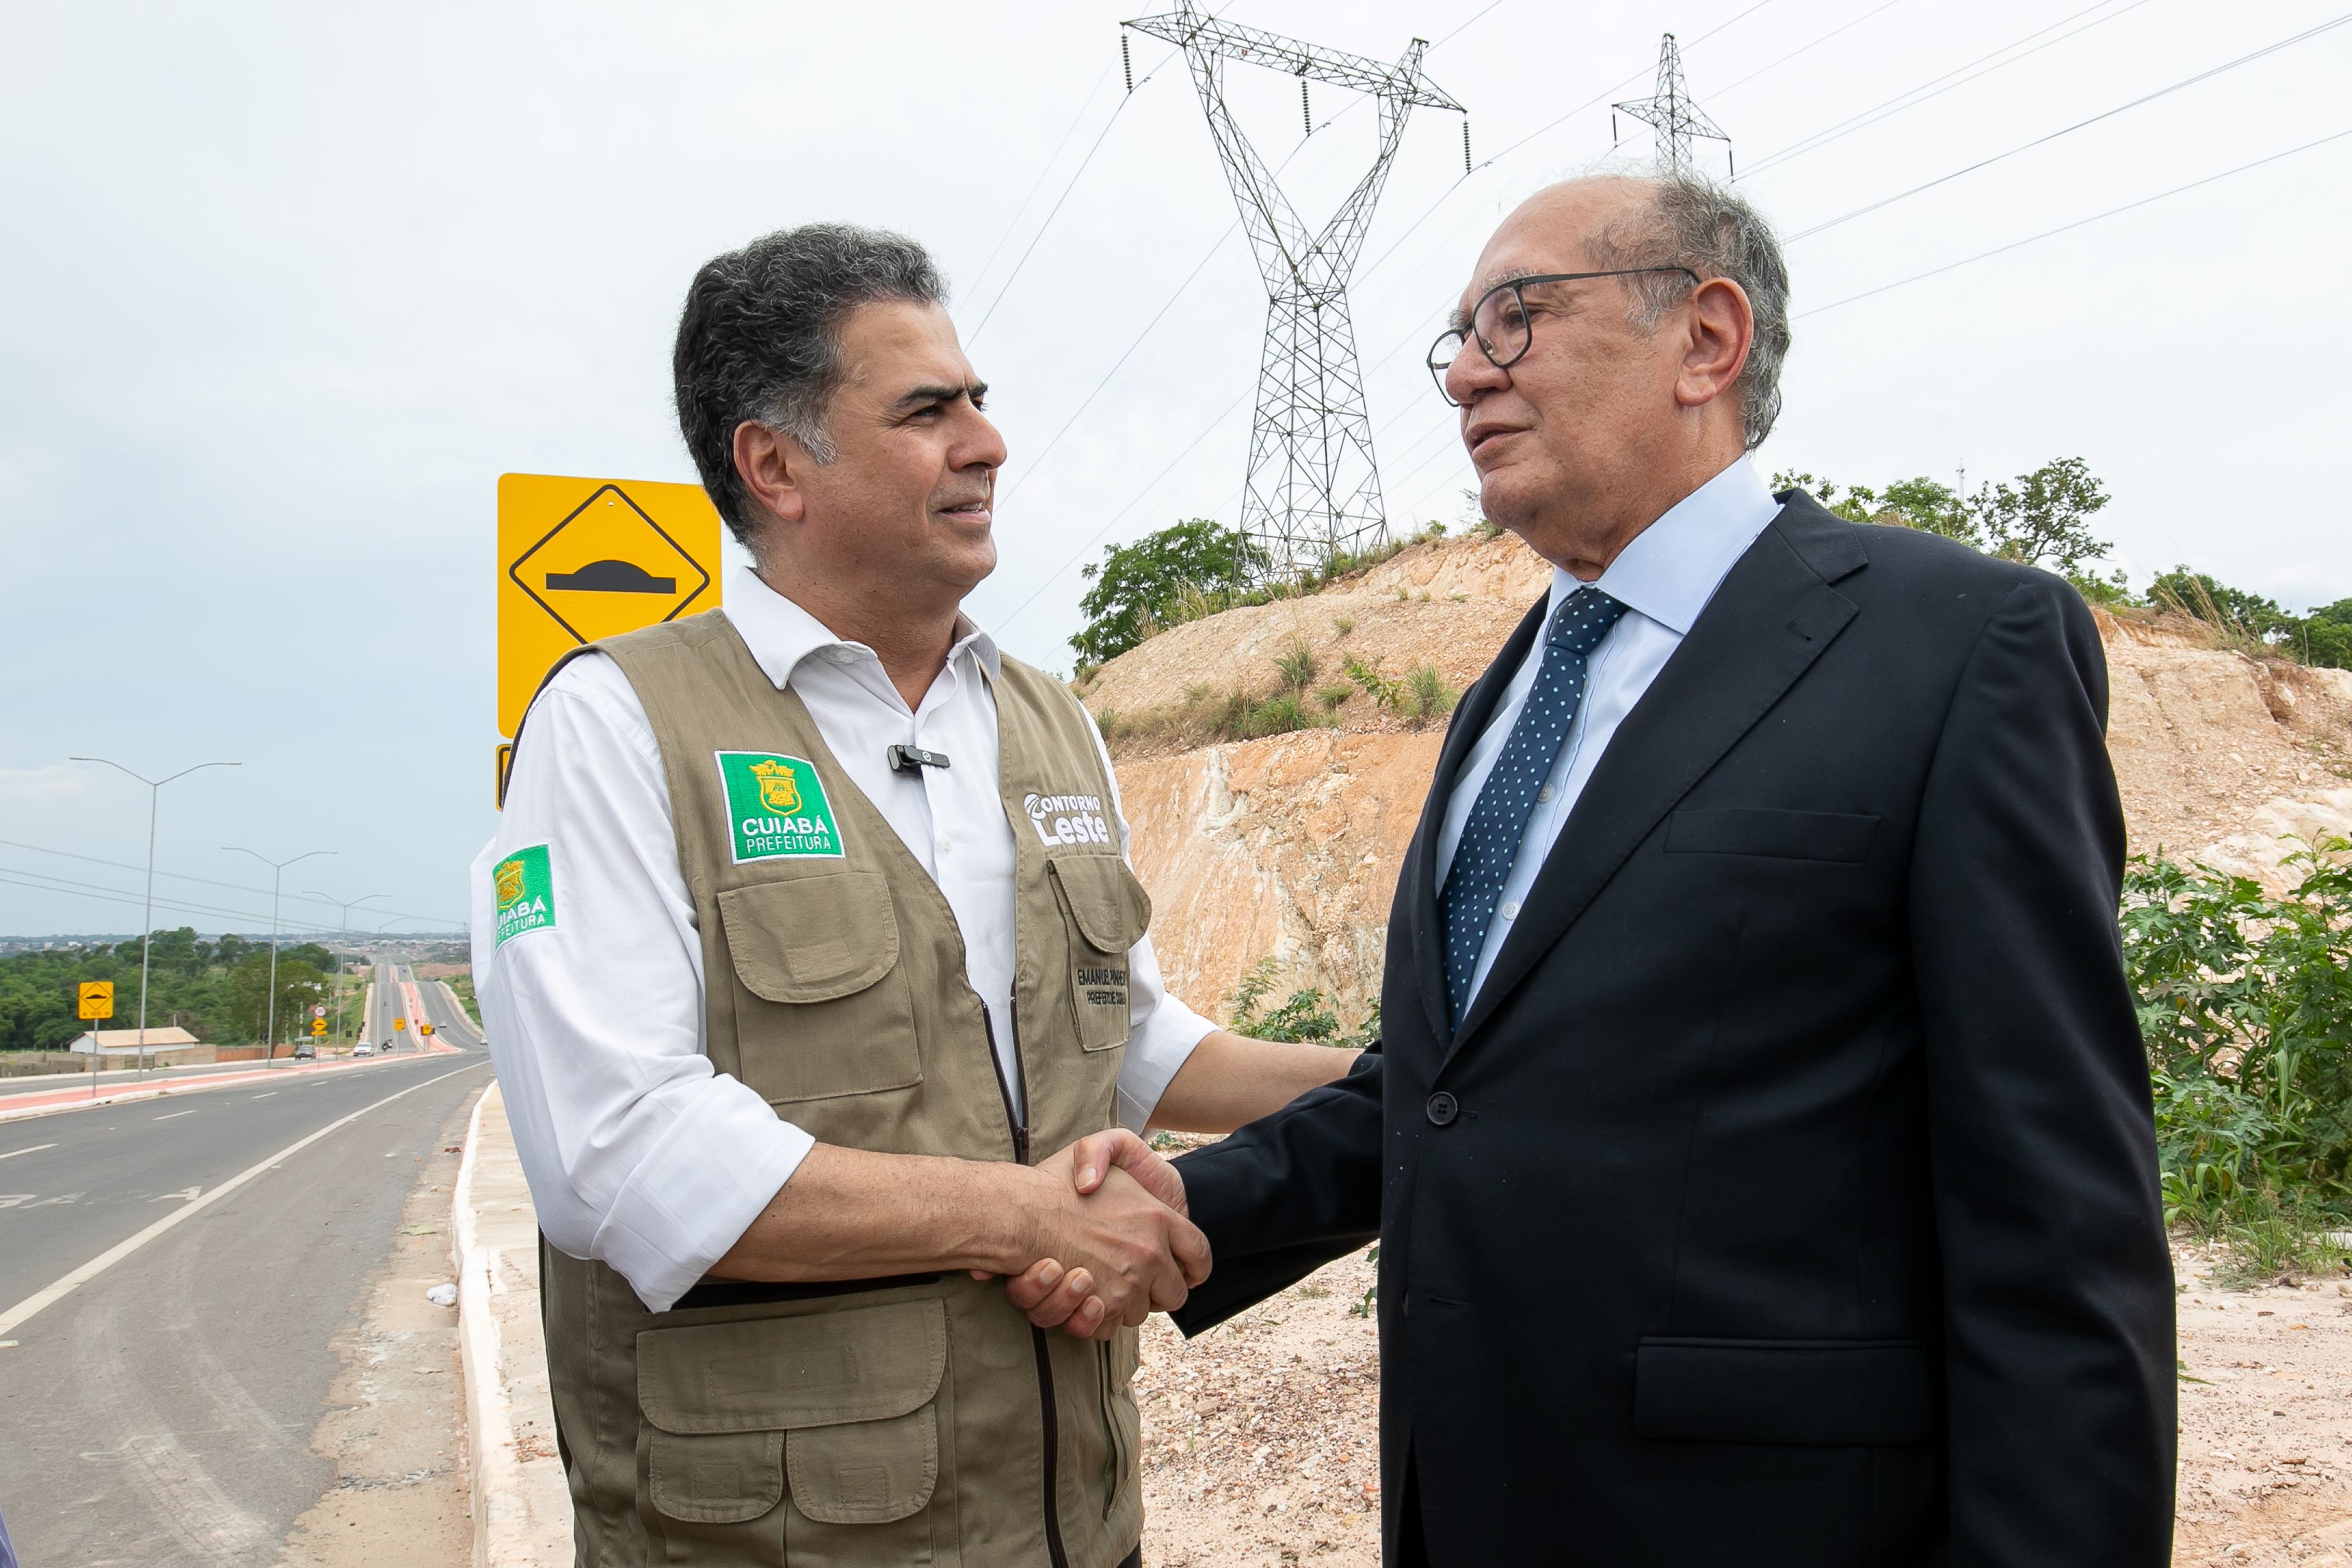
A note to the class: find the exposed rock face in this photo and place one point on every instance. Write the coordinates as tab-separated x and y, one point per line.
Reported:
1290	847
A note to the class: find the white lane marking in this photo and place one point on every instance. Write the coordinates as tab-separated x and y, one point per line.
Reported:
34	1150
175	1116
265	1095
51	1295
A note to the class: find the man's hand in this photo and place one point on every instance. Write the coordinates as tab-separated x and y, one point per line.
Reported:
1053	1295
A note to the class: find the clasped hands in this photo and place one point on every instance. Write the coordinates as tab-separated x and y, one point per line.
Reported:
1108	1224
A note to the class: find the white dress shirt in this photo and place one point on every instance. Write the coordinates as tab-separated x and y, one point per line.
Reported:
1663	578
638	1153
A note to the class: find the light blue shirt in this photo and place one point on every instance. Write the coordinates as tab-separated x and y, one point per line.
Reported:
1663	578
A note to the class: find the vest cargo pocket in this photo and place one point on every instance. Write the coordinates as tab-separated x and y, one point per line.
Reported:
818	985
1107	911
811	1439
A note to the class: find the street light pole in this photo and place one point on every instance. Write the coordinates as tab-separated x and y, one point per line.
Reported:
276	872
343	932
147	931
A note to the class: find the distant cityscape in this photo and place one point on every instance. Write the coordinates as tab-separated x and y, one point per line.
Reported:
408	947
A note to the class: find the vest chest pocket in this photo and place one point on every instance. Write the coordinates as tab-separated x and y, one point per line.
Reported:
814	1438
823	1007
1106	912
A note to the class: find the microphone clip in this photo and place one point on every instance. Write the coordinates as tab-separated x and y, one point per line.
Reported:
908	758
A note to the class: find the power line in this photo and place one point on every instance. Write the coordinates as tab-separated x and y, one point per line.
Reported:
2062	228
2078	125
1043	170
1919	94
1036	238
1096	537
184	877
47	884
1816	43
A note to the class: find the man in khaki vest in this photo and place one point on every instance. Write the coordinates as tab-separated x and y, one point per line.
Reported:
807	946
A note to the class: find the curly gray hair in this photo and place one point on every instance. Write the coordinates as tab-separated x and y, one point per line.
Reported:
759	341
1693	222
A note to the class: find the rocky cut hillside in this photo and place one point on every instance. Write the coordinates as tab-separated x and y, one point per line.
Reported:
1287	846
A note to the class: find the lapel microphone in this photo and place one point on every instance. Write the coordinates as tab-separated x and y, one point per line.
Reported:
908	759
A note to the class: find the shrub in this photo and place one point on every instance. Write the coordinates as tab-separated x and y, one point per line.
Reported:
1296	665
2245	1006
1428	694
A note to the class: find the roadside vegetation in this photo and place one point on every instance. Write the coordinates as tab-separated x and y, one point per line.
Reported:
1193	569
2043	519
463	985
217	989
2245	1004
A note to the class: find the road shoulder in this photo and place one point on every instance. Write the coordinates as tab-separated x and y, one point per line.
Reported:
394	1429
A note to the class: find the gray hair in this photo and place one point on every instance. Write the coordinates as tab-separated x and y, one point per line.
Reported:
760	340
1690	221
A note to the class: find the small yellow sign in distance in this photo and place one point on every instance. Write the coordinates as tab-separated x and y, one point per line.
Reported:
424	1028
317	1025
400	1023
96	998
581	558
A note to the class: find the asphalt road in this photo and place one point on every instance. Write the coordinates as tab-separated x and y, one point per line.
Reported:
161	1413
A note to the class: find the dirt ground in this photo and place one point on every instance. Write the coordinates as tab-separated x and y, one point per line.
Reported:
395	1420
1259	1439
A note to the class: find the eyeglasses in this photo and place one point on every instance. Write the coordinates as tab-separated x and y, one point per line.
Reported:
1501	324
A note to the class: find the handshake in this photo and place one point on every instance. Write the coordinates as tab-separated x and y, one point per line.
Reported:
1105	1220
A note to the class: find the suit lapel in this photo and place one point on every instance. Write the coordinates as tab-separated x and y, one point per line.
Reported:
1771	618
1470	722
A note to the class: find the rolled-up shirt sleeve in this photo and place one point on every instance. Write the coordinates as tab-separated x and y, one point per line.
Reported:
639	1154
1161	1030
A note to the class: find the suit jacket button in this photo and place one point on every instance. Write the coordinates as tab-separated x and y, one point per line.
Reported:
1442	1108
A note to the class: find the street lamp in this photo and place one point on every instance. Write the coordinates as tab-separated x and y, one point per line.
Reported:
343	932
277	871
147	931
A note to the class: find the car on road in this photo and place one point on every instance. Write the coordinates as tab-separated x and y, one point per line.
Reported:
305	1051
362	1050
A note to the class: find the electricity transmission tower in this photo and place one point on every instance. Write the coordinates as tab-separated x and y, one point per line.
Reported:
1673	114
1313	486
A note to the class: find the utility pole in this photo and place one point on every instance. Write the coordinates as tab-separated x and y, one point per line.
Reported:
147	930
1672	113
1313	486
344	932
276	872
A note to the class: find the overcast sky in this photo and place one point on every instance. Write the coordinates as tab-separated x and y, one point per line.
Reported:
287	289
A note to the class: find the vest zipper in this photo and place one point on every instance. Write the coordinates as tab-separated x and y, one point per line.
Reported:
1051	1451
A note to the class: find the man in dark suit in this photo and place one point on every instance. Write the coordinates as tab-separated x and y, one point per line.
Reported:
1760	1141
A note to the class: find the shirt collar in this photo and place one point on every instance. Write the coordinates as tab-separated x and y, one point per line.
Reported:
781	634
1672	568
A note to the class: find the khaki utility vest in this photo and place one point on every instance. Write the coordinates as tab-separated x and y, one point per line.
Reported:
910	1420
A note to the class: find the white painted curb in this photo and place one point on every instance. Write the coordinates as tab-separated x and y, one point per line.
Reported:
521	1513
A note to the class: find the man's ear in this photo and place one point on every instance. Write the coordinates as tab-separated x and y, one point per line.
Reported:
1720	324
771	466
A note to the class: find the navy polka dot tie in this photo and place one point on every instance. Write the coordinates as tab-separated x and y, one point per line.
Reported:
1490	839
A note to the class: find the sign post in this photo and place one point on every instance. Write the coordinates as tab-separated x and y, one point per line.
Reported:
581	558
93	1000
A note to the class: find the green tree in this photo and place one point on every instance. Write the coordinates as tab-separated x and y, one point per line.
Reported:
300	987
2044	520
1142	586
2323	638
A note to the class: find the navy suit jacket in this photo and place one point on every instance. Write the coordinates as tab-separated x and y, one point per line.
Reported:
1788	1196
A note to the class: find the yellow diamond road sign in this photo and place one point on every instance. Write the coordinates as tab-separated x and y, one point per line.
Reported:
94	998
581	558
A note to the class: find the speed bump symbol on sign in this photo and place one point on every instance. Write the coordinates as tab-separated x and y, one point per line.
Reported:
95	999
581	558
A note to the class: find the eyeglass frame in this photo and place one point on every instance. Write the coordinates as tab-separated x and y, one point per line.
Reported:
1437	372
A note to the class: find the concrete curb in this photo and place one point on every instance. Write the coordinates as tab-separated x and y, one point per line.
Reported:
521	1506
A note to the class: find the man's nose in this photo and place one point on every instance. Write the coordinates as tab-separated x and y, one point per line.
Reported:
1473	372
982	445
